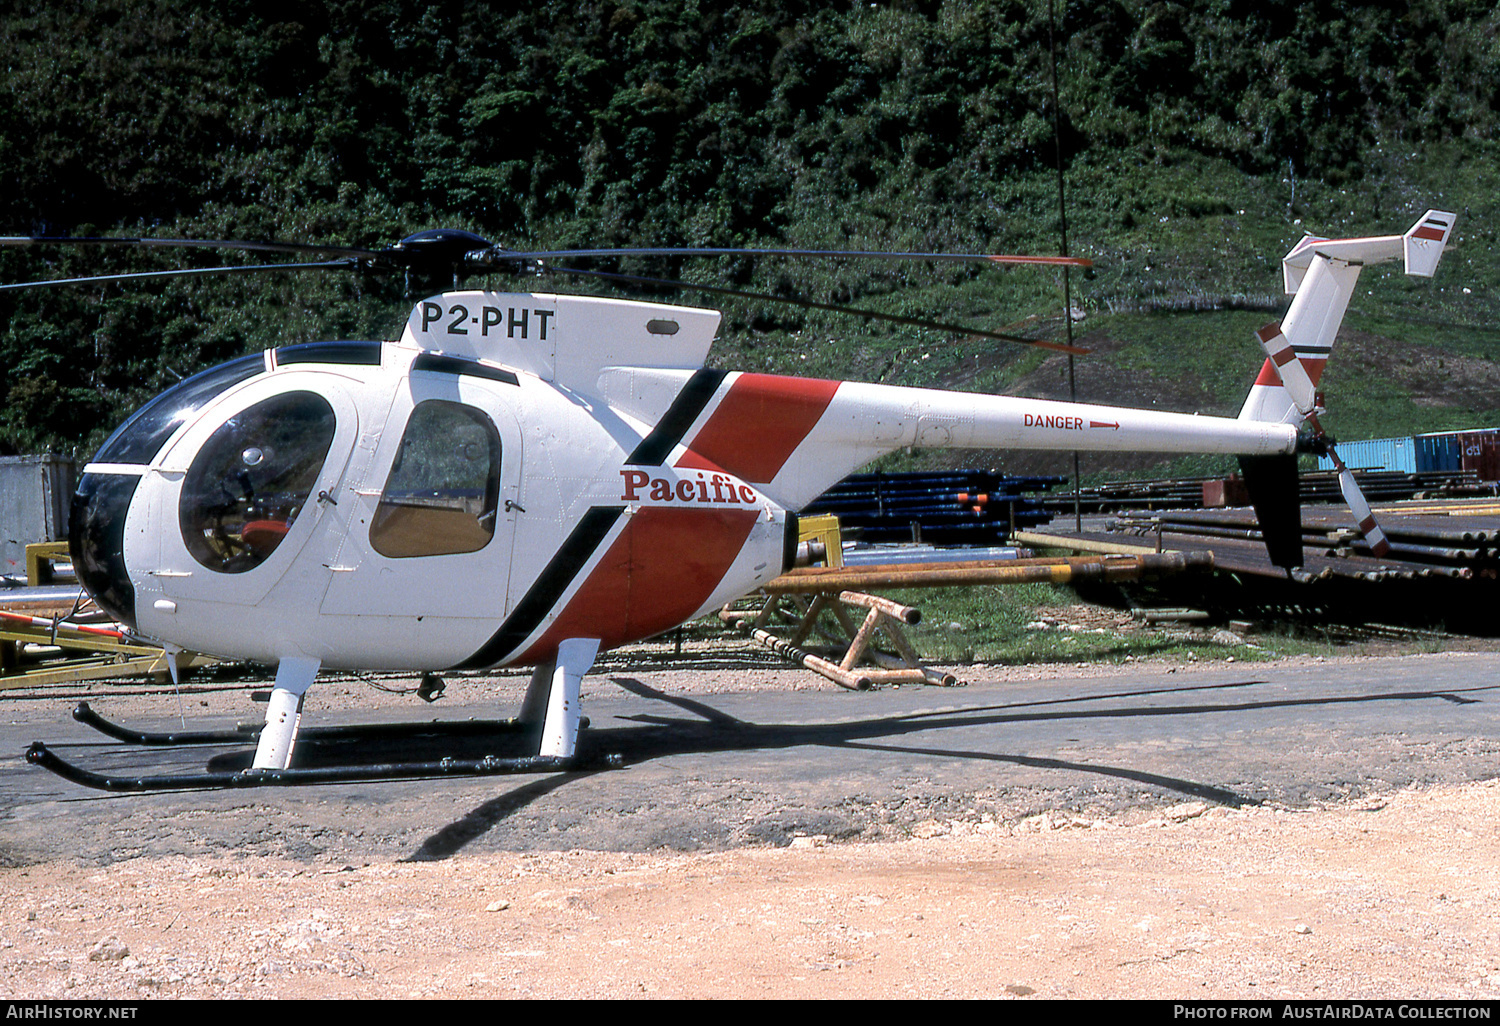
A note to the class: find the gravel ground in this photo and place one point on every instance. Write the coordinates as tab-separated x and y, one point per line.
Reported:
1391	897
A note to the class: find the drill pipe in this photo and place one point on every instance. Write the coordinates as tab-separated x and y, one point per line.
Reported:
1014	571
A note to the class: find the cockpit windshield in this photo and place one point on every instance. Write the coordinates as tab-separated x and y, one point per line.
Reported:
141	437
252	477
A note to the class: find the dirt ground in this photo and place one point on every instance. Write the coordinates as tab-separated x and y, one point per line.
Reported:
1391	896
1395	897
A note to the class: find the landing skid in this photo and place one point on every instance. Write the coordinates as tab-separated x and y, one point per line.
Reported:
40	755
246	732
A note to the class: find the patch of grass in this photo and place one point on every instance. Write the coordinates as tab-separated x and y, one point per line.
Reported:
1037	623
1005	626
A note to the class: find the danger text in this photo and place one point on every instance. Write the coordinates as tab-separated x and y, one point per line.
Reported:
1049	421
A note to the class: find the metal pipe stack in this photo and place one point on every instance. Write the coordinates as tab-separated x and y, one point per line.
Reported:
1316	487
959	507
1452	539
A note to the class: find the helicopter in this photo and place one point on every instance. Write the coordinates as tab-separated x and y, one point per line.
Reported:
531	478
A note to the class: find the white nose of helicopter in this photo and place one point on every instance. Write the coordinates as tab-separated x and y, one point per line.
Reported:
96	535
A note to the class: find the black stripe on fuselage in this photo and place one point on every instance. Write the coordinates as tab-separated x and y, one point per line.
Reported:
366	354
543	595
458	365
657	446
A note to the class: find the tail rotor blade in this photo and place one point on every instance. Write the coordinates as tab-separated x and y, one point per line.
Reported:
1294	376
1360	508
1304	394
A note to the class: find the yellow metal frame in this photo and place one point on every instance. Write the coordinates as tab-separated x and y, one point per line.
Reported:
39	559
884	616
109	658
823	527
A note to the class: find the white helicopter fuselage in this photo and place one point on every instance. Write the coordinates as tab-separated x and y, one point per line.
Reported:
572	546
626	489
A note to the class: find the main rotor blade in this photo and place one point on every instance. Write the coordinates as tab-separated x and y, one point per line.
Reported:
508	256
808	304
327	265
22	241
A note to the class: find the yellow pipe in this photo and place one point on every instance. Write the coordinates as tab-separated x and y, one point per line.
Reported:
1053	541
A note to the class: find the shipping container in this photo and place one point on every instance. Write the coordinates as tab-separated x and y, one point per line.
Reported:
1489	461
35	494
1438	451
1472	447
1396	454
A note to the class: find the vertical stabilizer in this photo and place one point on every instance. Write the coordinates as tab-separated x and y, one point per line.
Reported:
1272	483
1321	274
1423	244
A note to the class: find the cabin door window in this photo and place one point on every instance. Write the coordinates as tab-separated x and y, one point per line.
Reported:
444	486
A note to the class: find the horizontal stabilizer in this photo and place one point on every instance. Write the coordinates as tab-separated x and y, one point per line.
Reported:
1420	247
1322	275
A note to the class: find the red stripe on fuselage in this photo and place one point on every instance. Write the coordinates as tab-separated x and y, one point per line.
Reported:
659	571
758	424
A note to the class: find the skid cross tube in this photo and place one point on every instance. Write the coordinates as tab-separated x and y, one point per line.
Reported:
40	755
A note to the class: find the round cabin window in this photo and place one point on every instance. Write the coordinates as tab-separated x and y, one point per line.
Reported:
252	478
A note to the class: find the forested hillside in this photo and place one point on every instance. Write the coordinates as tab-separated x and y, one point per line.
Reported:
1198	140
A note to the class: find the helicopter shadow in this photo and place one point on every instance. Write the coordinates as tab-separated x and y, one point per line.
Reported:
707	730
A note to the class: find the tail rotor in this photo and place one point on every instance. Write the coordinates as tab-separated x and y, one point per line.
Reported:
1359	507
1299	386
1320	274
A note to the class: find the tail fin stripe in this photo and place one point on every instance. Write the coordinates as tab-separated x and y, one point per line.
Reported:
1268	375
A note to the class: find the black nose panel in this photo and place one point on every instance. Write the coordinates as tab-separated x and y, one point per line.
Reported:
96	539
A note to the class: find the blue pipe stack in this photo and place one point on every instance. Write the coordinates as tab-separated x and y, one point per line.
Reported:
952	507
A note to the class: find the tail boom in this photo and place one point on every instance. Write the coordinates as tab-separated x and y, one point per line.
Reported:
793	438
